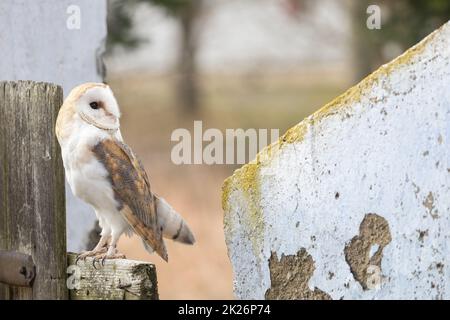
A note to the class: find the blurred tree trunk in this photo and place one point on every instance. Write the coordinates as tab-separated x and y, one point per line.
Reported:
187	87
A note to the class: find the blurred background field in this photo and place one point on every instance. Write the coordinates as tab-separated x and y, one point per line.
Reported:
150	114
235	64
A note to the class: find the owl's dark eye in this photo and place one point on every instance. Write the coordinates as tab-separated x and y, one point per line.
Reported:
94	105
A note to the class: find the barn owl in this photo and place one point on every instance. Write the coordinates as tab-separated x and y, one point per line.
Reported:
103	171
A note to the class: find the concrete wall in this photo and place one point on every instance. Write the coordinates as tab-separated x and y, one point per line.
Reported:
36	44
354	201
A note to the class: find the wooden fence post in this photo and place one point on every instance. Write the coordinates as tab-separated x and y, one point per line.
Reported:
32	197
117	279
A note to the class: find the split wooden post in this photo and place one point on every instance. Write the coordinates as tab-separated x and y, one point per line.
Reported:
32	196
115	280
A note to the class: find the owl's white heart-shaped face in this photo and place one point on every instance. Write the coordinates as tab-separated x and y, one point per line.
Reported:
98	107
89	110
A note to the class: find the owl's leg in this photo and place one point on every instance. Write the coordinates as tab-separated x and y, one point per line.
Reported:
112	252
101	246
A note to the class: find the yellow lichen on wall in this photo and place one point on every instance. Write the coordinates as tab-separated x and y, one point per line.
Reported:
247	181
354	94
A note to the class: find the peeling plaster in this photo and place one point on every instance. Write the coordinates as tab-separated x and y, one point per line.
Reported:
428	203
289	278
363	152
359	252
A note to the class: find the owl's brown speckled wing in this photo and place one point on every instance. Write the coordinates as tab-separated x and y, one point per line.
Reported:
132	190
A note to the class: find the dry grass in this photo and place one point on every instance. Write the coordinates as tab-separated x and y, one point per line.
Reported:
203	271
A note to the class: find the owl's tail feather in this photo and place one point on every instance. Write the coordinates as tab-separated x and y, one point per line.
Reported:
148	235
172	224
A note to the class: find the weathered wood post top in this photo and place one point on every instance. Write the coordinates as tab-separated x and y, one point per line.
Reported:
119	279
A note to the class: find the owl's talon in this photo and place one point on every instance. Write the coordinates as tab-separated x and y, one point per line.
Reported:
83	256
101	259
94	260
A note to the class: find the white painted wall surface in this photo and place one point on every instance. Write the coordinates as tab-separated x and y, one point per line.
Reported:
384	146
35	44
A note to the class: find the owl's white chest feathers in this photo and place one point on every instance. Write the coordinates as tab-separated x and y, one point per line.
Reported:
87	176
